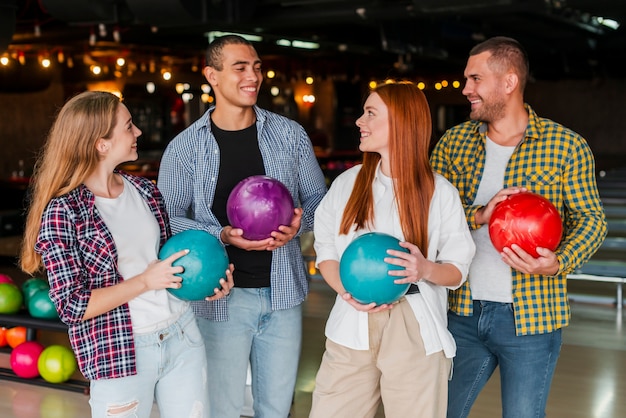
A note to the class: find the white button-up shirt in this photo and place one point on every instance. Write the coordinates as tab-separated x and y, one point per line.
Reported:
449	241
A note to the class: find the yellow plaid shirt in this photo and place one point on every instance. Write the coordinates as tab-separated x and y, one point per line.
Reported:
554	162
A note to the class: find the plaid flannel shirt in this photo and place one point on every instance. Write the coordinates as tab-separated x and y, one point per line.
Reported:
554	162
79	254
188	177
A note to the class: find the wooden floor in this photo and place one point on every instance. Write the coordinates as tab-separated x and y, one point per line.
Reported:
590	380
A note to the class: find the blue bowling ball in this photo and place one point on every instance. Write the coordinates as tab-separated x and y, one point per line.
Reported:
364	273
204	265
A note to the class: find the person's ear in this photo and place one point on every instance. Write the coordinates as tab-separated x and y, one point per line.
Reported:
511	82
102	146
210	75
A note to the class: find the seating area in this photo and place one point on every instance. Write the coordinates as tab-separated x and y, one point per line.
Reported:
608	265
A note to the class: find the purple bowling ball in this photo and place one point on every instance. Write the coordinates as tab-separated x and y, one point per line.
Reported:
259	205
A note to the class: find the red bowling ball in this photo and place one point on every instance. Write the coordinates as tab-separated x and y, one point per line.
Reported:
528	220
259	205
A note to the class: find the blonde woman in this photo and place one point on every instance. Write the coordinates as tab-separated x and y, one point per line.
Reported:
97	232
400	353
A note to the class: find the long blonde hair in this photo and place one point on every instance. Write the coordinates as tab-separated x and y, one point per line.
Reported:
67	158
410	130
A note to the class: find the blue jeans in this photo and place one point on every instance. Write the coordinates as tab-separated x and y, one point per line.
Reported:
487	340
171	367
269	340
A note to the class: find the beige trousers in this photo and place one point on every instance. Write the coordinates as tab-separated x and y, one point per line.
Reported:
395	370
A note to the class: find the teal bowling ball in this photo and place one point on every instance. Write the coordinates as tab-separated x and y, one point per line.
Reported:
204	265
364	273
32	286
41	306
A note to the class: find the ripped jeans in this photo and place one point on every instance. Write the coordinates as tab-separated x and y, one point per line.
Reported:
171	368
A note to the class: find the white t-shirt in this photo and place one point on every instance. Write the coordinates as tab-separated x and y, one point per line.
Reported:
136	233
449	241
489	276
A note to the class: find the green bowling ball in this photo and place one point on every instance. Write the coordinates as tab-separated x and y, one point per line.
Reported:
11	298
56	363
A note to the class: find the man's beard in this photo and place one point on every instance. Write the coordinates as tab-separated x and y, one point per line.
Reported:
490	111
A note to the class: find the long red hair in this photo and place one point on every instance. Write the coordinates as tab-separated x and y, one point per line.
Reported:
410	130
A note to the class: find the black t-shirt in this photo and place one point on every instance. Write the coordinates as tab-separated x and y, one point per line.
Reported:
240	157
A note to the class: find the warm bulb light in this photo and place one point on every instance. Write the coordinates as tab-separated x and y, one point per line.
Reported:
309	80
271	74
166	75
121	61
4	60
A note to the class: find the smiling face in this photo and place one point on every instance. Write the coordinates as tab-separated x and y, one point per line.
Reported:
238	82
484	88
374	126
122	145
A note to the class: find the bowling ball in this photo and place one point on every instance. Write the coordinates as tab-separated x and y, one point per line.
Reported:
5	278
57	363
204	266
364	273
3	336
32	285
528	220
259	205
11	298
15	336
24	359
40	305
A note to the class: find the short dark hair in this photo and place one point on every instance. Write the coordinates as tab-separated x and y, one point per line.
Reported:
214	50
505	53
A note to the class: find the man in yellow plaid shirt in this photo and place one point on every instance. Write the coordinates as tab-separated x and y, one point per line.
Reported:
510	312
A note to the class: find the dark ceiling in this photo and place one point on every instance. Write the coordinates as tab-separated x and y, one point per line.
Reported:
366	37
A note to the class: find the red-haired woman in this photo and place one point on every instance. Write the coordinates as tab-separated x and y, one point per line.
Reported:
398	353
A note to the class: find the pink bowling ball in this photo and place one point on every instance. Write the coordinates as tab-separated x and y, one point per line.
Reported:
24	359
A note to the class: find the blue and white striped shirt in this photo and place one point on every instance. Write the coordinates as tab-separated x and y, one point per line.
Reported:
188	176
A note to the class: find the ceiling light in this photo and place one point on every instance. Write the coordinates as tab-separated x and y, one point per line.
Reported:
609	23
305	45
216	34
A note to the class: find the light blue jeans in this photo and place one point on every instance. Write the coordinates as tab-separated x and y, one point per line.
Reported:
269	340
487	340
171	368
